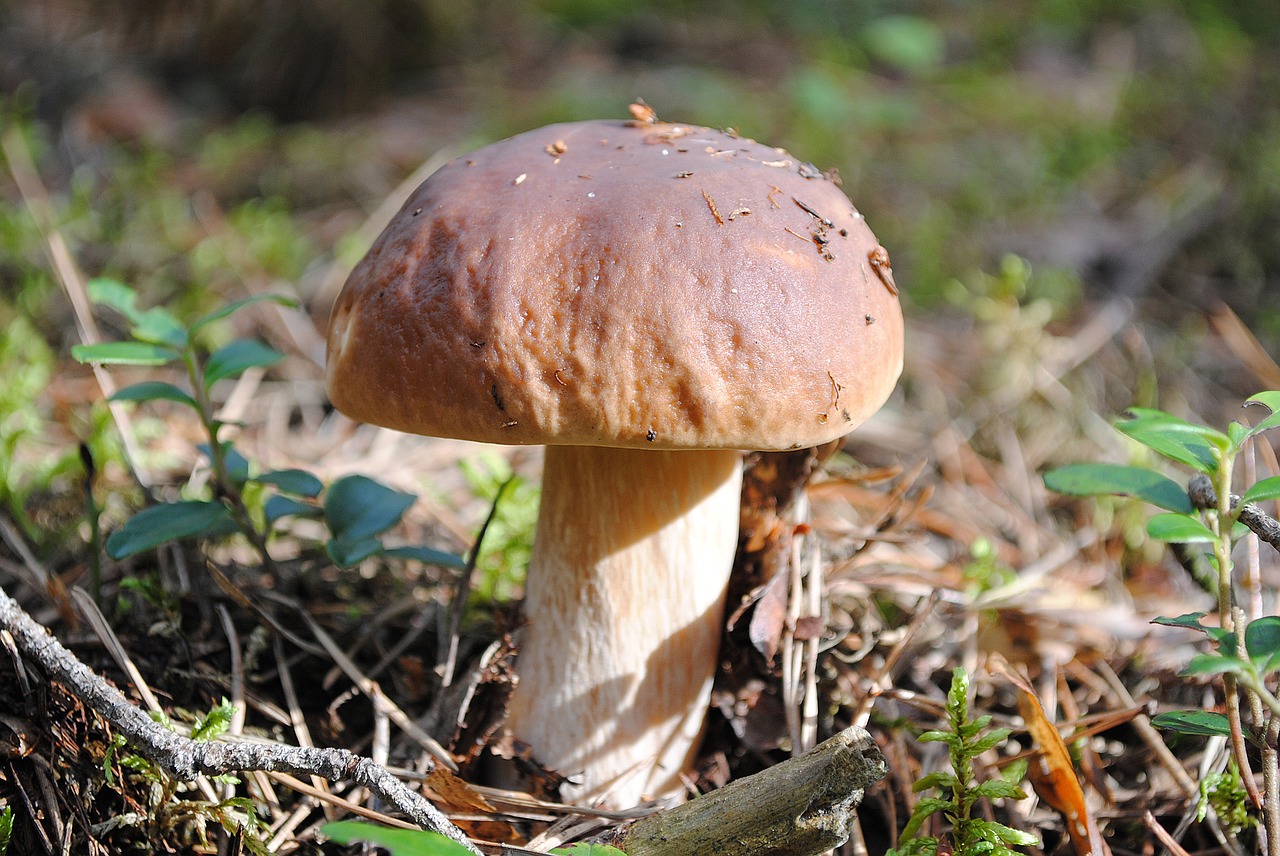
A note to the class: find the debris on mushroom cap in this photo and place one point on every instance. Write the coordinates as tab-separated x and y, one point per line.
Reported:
615	303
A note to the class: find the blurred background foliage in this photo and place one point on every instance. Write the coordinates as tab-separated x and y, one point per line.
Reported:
1122	149
1076	133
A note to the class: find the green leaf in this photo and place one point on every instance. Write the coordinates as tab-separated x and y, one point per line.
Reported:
989	741
296	482
237	305
1204	723
346	551
156	325
235	357
401	842
125	354
215	723
1175	438
428	556
999	789
6	828
1105	479
357	507
1271	401
1262	641
237	465
938	779
1190	620
117	295
283	506
155	390
161	524
1015	837
581	849
160	328
1214	664
1179	528
925	808
1262	491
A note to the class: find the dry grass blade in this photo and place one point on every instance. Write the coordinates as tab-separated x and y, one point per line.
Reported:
1170	844
38	202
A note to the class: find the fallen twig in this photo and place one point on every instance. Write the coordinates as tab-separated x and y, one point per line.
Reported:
1200	491
186	759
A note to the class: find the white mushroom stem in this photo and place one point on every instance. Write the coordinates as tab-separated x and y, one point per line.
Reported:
625	603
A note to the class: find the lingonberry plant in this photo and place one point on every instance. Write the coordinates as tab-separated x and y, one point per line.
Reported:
1208	519
356	509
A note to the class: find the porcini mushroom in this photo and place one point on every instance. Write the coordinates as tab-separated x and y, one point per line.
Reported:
645	300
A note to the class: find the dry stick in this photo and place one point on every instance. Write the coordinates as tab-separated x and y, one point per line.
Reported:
801	807
1162	834
186	759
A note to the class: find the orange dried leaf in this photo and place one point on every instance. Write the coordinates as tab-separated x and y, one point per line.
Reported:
455	793
1053	775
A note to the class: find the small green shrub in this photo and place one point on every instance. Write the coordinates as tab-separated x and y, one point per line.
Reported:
356	509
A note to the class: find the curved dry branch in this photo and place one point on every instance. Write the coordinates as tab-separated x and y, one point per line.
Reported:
186	759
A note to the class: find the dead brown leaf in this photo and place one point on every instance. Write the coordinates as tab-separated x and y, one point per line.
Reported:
1052	773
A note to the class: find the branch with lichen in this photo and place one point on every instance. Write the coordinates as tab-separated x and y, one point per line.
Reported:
186	759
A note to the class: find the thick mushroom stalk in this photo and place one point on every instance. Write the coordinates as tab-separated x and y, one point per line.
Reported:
624	603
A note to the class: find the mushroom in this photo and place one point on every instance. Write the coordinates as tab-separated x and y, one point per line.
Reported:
646	300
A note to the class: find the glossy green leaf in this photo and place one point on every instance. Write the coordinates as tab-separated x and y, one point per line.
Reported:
1262	491
161	524
235	357
1175	438
278	506
237	305
1205	723
1270	400
1214	664
400	842
155	390
1107	479
296	482
125	354
1190	620
428	556
1262	641
357	507
1179	528
348	551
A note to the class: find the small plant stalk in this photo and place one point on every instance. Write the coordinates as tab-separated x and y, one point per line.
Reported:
218	461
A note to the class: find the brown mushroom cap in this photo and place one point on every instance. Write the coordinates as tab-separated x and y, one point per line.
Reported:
614	283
